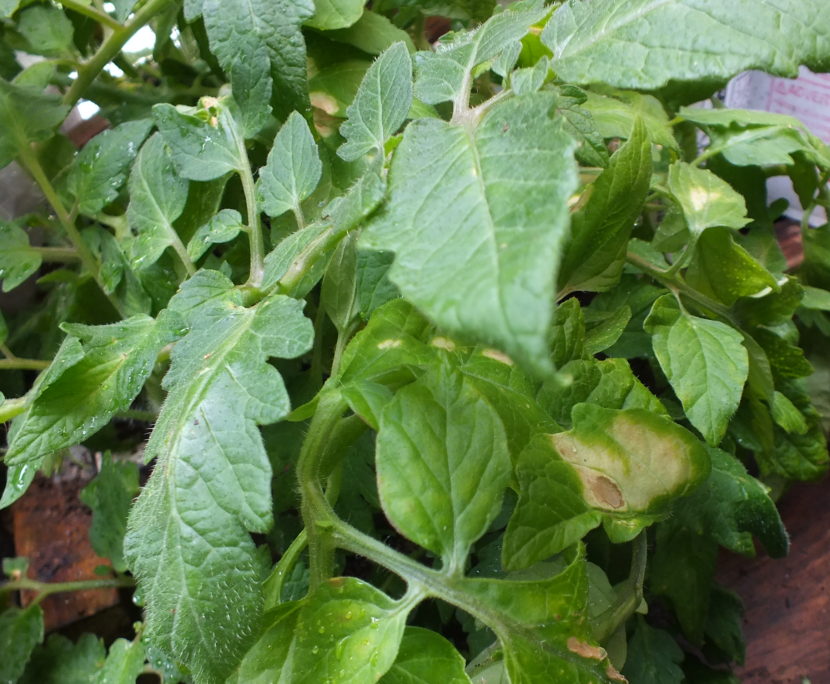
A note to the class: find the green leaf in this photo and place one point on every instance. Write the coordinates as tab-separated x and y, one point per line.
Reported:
223	227
705	362
8	7
595	253
109	495
123	8
302	257
260	45
335	14
392	340
503	189
60	661
380	105
425	657
568	337
604	328
20	632
101	167
551	513
442	464
124	663
442	75
785	414
581	125
28	115
540	623
18	259
510	392
203	145
636	44
722	268
338	293
615	112
187	540
20	476
47	30
374	288
760	138
292	171
157	198
609	383
730	506
682	568
345	631
706	200
653	656
79	399
724	624
786	359
372	34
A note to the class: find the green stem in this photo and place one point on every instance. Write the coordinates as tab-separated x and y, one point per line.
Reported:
57	254
111	47
12	407
254	227
630	593
91	12
136	414
45	589
90	263
282	570
677	285
16	363
330	409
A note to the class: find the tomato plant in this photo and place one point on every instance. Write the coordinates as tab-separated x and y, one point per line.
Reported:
459	360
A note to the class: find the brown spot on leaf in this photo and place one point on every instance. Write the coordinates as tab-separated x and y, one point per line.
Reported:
585	650
612	674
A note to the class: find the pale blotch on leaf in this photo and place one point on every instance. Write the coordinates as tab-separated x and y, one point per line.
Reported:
701	198
626	465
497	355
325	102
390	344
443	343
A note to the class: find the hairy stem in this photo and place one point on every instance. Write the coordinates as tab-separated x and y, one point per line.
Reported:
15	363
45	589
88	259
111	47
57	254
254	227
330	409
92	13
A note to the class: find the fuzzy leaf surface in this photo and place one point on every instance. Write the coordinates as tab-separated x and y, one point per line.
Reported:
28	115
18	260
158	196
109	495
101	167
635	43
20	631
476	219
78	400
380	106
292	171
260	45
595	253
187	536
